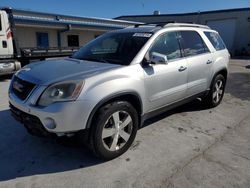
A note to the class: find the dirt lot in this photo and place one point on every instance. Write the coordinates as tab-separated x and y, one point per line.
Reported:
188	147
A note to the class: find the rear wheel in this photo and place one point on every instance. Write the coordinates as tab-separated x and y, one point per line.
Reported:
114	129
216	92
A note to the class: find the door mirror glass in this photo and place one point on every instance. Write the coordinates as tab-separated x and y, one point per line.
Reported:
157	58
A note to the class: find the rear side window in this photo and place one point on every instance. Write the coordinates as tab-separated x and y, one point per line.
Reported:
216	40
192	43
167	44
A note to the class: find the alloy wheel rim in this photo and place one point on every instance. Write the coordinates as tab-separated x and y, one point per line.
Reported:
218	91
117	130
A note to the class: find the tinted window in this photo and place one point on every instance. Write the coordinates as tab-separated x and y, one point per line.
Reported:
113	47
73	40
167	44
216	40
42	40
193	43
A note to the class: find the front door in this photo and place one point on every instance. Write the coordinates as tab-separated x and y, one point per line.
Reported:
166	83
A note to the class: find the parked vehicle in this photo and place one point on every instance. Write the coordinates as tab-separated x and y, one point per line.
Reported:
114	83
12	57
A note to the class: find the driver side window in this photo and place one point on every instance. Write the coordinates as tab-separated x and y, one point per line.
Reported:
167	44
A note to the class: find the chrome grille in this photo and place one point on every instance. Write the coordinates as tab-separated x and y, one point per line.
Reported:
22	88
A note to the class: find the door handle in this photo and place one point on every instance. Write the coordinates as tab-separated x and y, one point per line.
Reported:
182	68
209	62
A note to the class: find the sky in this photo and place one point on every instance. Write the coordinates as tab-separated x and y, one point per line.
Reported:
116	8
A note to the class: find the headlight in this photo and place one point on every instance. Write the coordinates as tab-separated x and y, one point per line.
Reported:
63	91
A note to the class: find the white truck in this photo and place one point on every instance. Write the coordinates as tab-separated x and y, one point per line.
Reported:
13	57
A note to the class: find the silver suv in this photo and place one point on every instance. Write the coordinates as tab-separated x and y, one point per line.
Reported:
106	90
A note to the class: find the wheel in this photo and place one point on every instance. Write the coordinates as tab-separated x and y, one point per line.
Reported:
114	129
216	92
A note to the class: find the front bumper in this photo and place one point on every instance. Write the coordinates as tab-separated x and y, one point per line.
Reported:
32	123
59	118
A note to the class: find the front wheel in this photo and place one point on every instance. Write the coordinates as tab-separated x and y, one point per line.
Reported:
114	129
216	92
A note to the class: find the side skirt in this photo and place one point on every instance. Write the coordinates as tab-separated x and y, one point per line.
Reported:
163	109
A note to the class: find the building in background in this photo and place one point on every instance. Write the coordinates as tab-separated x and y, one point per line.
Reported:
37	29
233	25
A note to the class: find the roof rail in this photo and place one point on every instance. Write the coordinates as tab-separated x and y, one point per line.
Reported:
161	24
154	24
144	24
186	25
171	24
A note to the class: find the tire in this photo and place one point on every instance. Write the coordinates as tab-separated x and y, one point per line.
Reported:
114	129
216	92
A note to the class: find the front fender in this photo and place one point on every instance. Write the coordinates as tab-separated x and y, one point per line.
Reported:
116	83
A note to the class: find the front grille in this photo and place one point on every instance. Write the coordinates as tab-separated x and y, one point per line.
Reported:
22	88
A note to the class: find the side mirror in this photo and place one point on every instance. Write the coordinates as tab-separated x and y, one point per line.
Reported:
157	58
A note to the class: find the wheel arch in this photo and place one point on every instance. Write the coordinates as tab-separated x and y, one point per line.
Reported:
223	72
130	96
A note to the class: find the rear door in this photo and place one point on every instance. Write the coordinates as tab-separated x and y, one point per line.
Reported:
4	51
199	62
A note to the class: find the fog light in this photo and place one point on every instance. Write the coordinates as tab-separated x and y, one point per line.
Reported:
50	123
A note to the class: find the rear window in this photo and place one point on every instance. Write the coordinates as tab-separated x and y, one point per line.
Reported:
216	40
192	43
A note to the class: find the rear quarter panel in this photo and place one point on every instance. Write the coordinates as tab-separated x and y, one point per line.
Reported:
220	58
220	61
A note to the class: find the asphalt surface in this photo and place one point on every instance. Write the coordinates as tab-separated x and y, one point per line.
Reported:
190	146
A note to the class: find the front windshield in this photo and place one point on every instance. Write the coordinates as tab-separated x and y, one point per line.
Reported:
115	47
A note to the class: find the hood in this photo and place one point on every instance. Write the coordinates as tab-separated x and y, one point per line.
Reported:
51	71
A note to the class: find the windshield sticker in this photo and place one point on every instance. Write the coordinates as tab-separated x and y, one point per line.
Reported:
142	35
